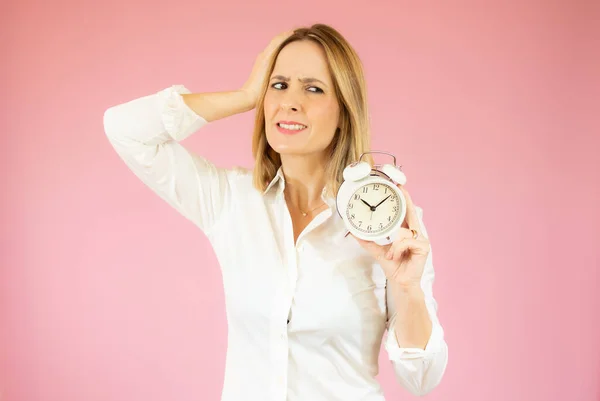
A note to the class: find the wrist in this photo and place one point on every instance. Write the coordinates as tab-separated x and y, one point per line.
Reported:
249	99
411	290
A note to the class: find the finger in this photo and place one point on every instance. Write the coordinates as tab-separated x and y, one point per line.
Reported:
406	233
277	40
419	247
286	34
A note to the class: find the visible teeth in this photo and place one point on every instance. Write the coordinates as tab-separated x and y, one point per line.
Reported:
293	126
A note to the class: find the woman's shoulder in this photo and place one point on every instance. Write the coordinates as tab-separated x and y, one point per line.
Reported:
238	173
240	177
241	181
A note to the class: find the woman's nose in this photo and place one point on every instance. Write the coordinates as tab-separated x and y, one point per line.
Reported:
290	102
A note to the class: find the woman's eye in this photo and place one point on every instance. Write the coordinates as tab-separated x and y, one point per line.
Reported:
283	85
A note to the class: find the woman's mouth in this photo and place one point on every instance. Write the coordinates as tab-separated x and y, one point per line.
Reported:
290	128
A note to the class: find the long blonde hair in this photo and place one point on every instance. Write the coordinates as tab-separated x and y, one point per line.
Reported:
353	136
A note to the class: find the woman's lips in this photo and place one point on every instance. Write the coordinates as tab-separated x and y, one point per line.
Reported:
289	131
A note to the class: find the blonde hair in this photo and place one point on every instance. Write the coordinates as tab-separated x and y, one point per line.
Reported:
353	136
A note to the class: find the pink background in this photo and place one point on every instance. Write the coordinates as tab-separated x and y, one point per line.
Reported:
108	294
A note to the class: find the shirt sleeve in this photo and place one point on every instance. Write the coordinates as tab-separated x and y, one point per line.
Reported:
419	370
145	133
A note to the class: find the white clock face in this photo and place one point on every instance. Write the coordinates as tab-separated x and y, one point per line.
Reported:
373	208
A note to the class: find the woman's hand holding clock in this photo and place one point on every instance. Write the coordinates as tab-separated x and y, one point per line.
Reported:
403	261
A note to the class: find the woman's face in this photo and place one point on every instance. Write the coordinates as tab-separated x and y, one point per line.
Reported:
300	106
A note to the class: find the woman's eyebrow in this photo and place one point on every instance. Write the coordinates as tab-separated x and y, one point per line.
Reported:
306	80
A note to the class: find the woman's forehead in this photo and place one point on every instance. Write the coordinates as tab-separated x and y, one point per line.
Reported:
302	59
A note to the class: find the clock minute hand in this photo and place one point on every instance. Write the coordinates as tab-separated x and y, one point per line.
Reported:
377	205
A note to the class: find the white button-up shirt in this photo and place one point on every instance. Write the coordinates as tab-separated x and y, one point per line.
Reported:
306	320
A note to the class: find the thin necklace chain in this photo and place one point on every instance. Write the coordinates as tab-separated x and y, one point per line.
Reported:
304	214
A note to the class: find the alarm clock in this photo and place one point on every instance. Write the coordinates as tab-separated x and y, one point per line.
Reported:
369	201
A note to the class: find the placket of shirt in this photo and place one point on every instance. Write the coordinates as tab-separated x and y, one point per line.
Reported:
280	308
291	258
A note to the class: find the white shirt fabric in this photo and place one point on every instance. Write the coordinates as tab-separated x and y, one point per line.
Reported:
330	289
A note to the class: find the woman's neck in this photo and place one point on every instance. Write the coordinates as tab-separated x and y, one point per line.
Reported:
304	180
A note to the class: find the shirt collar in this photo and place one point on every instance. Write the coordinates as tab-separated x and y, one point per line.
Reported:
278	179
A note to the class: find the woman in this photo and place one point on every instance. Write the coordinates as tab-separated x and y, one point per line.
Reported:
307	306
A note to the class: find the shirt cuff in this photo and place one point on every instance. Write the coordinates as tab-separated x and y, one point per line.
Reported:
179	120
397	353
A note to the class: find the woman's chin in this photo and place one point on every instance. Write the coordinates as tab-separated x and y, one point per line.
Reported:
284	145
288	150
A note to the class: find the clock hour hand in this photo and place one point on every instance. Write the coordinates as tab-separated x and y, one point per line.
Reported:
377	205
370	207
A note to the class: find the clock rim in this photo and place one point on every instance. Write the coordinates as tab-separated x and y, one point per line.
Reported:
352	188
395	190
